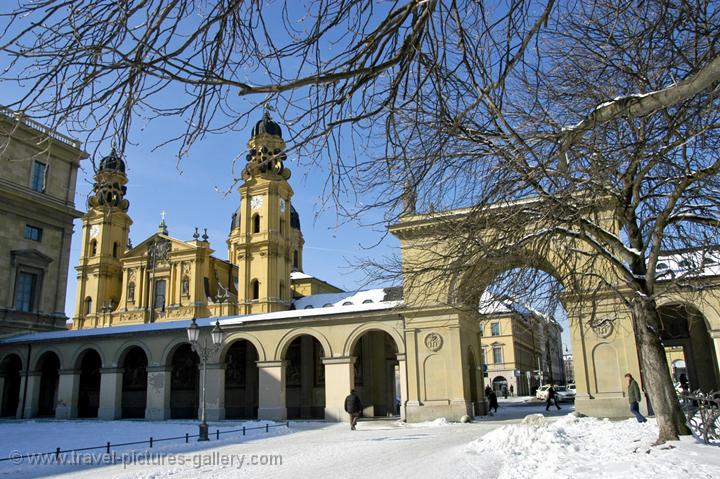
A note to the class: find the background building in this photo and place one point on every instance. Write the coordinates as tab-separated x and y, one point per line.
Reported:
521	347
38	173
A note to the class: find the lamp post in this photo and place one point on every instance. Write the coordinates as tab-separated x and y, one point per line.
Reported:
204	351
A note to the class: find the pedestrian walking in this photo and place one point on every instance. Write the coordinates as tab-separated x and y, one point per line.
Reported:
551	398
493	400
353	406
634	398
505	391
512	392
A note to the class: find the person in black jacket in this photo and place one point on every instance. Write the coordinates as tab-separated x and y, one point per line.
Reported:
353	406
551	398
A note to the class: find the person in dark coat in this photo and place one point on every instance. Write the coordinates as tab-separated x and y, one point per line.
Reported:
353	406
505	391
634	398
493	400
551	398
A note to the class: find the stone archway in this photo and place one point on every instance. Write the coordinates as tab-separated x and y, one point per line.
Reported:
184	383
684	332
304	378
241	381
49	367
88	396
10	369
133	400
376	374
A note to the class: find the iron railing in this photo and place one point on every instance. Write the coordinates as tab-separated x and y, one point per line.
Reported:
107	447
702	415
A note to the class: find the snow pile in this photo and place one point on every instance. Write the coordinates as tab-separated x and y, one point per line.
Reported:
439	422
587	447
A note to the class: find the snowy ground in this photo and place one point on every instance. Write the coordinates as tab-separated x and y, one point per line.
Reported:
493	446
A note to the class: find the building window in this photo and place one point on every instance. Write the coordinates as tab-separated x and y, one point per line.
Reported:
131	292
38	176
114	250
497	355
33	233
255	289
186	286
159	302
295	259
88	305
482	330
495	329
93	248
256	224
484	354
25	286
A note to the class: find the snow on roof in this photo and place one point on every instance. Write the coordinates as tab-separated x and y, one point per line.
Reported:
345	299
361	306
299	275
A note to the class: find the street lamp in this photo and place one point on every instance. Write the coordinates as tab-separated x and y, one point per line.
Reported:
204	351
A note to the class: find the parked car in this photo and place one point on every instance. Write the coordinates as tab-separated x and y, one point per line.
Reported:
565	394
541	393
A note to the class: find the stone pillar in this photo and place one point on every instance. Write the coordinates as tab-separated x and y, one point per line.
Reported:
67	398
158	393
339	379
271	394
110	393
214	392
402	366
716	340
29	396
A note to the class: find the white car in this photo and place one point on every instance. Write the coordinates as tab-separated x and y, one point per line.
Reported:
541	393
565	394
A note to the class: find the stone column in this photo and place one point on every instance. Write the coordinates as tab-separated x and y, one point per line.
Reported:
271	394
158	393
402	366
110	393
339	380
67	398
214	392
31	396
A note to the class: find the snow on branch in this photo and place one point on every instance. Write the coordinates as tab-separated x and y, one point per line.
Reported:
644	103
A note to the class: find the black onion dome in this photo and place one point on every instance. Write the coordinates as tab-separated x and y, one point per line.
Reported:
294	218
235	221
112	162
267	126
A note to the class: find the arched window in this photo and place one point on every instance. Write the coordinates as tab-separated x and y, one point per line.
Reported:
309	306
88	305
255	289
115	250
185	286
256	223
131	292
347	303
93	248
367	301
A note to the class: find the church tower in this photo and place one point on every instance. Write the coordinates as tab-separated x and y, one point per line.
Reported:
262	242
105	230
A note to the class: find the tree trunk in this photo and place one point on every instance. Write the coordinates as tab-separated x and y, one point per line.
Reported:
655	372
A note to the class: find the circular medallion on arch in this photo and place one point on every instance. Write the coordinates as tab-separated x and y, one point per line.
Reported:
603	327
434	342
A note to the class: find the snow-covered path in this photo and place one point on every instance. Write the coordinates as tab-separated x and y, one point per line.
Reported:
492	447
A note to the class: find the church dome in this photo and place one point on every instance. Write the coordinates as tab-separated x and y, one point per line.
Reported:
294	218
112	162
235	221
267	126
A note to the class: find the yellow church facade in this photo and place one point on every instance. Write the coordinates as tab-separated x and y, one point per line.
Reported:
294	345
